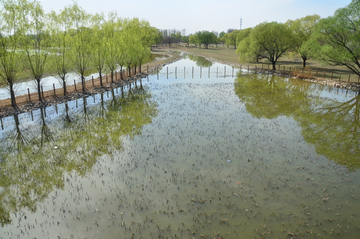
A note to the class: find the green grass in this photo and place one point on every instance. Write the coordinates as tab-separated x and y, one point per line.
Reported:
317	68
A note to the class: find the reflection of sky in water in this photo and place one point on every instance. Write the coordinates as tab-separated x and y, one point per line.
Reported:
203	167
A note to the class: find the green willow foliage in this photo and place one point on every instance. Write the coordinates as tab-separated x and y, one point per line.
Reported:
68	40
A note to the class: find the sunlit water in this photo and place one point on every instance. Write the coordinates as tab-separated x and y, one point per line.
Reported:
186	154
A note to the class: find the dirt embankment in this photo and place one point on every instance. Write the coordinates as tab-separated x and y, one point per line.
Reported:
27	103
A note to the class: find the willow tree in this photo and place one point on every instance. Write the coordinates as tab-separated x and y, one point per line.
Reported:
111	26
98	44
60	35
303	29
273	39
80	51
336	39
37	43
12	30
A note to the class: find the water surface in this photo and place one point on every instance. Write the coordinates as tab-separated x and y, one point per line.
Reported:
186	153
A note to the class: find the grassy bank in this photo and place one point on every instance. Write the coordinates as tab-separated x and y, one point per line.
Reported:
314	68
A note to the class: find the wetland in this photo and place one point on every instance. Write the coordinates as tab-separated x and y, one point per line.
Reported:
196	150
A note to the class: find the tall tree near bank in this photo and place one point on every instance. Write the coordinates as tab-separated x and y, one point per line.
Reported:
303	28
80	51
336	39
12	31
206	38
60	35
98	44
37	43
230	37
274	39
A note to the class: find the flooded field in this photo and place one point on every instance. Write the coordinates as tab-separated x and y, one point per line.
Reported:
195	151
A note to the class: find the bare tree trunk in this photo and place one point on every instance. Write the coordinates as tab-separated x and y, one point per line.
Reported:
101	82
12	96
64	86
39	90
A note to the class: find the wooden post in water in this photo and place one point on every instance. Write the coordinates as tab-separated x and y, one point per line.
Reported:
224	71
75	84
192	72
54	90
175	72
29	94
209	72
233	71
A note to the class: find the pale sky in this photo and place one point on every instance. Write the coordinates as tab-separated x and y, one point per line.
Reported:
211	15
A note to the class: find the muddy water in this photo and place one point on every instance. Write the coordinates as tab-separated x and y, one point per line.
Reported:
186	154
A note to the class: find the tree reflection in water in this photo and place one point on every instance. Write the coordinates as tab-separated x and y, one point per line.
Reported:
330	125
35	159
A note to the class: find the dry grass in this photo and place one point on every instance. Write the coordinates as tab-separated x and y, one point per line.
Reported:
301	73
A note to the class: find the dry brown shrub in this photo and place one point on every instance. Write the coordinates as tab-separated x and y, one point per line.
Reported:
302	73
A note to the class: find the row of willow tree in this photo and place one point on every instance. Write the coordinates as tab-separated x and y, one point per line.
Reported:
334	40
70	40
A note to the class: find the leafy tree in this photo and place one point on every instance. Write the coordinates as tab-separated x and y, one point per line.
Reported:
272	40
194	39
99	43
37	43
12	31
205	37
60	36
230	37
336	39
186	39
303	29
221	34
80	53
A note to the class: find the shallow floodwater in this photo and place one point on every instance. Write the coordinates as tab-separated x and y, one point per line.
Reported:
186	153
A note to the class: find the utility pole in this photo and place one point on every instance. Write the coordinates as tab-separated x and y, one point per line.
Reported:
240	23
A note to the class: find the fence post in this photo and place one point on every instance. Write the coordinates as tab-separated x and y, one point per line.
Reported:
54	90
75	84
92	79
29	94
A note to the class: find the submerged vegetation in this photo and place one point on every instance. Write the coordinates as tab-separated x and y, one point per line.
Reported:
180	156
